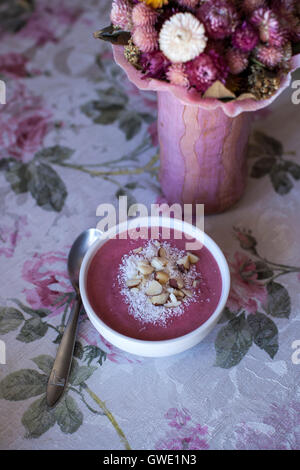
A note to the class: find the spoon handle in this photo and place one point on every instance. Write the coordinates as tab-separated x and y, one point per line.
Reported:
61	368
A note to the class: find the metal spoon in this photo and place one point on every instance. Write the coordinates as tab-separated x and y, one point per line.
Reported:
61	368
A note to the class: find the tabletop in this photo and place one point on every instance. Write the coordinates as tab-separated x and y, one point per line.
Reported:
74	134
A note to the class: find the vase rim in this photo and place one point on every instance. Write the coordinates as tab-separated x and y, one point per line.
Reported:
231	108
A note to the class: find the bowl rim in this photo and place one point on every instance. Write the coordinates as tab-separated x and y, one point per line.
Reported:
173	223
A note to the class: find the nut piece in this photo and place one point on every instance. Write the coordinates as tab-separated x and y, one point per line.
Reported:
161	277
176	283
193	258
187	292
173	304
196	283
138	250
133	282
179	293
183	263
145	268
160	299
154	288
158	263
162	252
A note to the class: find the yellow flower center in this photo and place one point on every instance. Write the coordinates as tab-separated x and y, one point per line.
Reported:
155	3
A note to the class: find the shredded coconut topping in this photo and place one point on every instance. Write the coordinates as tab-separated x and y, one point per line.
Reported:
140	305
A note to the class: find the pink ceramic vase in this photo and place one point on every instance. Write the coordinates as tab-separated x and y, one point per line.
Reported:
203	142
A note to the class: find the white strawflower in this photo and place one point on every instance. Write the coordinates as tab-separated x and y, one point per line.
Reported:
182	38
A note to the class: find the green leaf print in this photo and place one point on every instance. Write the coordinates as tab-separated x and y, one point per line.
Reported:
18	175
44	363
54	154
46	187
233	342
265	333
33	329
278	302
68	416
23	384
38	418
10	319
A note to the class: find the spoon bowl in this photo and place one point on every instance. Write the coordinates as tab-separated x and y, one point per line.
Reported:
79	248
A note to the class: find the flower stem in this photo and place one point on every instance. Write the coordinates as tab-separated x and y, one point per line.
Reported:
109	415
84	401
282	273
282	266
118	172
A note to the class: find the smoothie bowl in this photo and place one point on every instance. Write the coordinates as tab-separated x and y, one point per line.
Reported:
150	295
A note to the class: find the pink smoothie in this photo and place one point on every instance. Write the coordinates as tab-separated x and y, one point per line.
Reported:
108	302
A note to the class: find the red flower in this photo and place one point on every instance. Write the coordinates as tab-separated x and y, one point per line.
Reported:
219	17
13	65
24	123
245	37
47	273
202	72
246	290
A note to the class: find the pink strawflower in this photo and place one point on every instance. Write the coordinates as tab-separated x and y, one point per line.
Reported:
237	61
142	15
155	64
189	3
202	72
245	37
284	5
176	75
269	27
120	15
220	63
145	38
290	22
250	5
269	55
219	17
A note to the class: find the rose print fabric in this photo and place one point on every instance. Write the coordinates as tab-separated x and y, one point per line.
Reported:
74	133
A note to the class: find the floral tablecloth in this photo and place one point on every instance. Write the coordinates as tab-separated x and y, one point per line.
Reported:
74	134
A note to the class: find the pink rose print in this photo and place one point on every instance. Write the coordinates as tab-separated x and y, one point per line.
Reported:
24	122
47	273
281	430
246	290
47	23
13	65
177	418
10	235
91	336
184	435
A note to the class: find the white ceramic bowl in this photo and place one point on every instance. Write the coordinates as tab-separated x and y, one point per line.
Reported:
163	347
